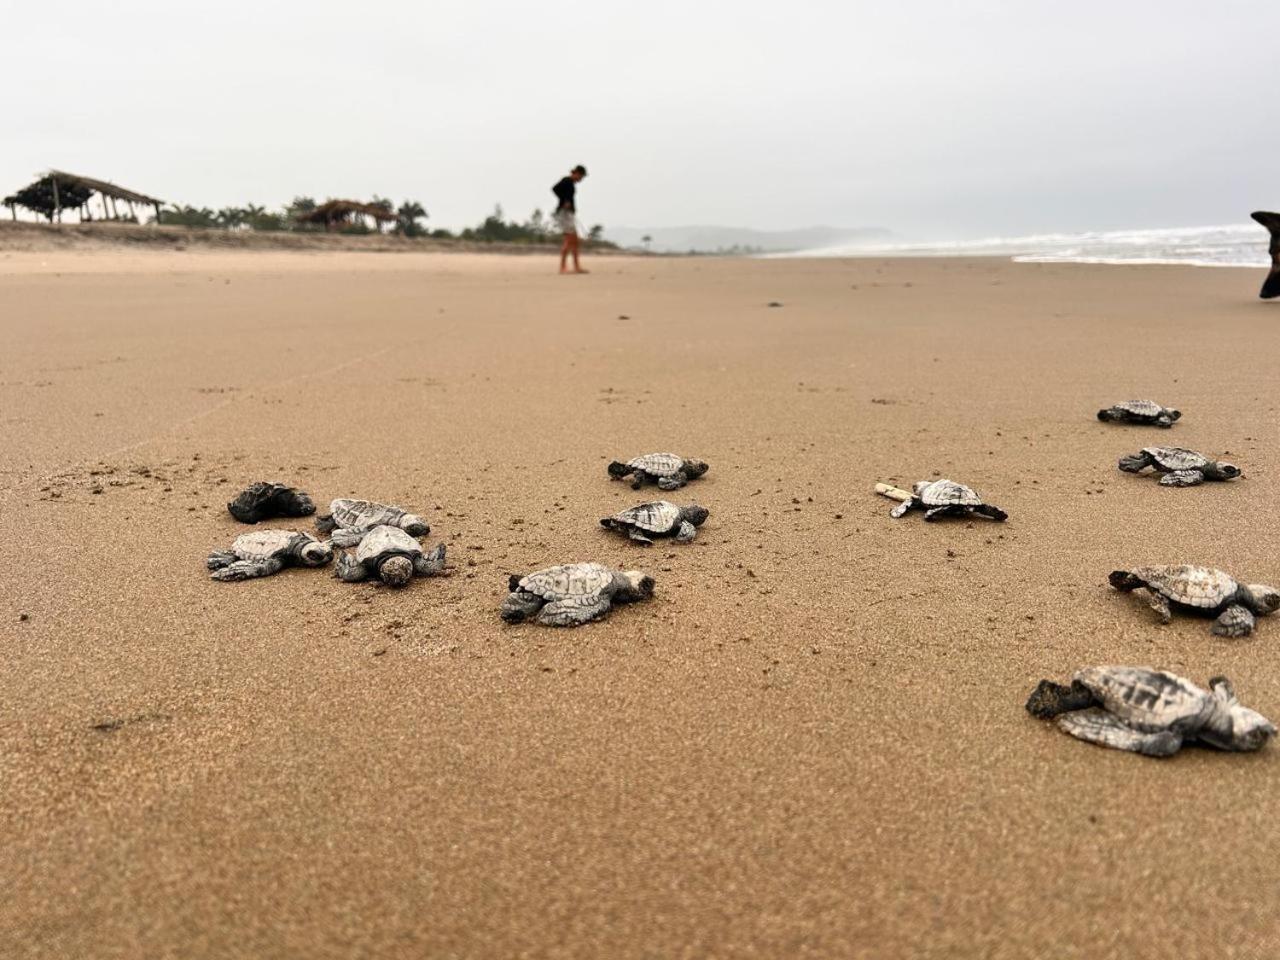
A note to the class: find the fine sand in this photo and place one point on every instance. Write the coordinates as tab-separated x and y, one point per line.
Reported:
810	743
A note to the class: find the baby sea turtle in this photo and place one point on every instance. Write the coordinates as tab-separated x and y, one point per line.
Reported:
661	518
1180	467
572	594
946	498
391	555
349	520
1204	591
1149	711
1140	411
262	501
264	552
667	470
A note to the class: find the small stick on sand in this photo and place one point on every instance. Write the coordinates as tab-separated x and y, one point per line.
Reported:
892	492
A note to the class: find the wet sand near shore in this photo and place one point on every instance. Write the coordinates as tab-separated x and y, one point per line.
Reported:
810	743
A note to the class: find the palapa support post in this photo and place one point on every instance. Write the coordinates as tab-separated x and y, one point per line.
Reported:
57	203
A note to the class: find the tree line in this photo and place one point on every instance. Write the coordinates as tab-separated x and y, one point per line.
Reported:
495	228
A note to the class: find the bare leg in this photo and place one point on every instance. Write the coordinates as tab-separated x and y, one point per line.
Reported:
564	253
248	569
575	243
520	605
1235	621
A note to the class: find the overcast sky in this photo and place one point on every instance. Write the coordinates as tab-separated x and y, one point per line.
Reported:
935	119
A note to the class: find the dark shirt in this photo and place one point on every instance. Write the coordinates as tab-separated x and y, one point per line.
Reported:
565	190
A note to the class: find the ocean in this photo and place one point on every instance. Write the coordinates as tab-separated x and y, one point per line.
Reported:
1230	245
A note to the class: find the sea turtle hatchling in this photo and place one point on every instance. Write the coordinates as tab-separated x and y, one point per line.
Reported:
1140	411
261	553
572	594
946	498
262	501
1179	466
349	520
1201	590
391	555
668	470
1149	711
660	518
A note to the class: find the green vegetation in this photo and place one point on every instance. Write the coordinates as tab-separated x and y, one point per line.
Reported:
495	228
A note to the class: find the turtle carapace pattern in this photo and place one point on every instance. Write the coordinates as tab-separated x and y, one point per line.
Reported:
946	498
660	518
1178	466
349	520
1271	286
264	552
572	593
1139	411
668	470
1201	590
390	555
263	501
1149	711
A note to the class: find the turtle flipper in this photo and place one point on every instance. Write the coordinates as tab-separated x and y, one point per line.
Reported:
995	513
1049	699
1135	462
346	536
1164	420
572	611
348	570
1235	621
1182	478
906	505
219	559
937	513
431	563
248	569
686	532
1158	602
325	523
520	605
673	482
1097	726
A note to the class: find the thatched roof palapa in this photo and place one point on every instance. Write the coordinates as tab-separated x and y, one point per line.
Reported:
57	190
339	211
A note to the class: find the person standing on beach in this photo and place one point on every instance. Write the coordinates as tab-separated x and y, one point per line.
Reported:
567	217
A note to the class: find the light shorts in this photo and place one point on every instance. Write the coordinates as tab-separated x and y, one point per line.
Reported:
566	221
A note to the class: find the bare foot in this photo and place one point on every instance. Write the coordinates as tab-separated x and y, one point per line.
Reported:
580	270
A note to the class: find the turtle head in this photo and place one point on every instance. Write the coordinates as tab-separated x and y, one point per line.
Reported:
1171	413
1221	470
315	553
694	468
637	586
396	571
696	515
1238	728
1266	599
618	469
414	525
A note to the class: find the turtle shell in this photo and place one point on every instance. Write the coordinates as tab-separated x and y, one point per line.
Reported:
263	544
384	541
568	580
659	516
658	464
1201	587
1176	458
1147	699
363	514
1141	408
944	493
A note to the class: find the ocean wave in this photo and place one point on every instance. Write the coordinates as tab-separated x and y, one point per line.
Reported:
1229	245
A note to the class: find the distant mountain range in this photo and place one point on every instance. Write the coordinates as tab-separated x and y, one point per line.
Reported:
742	239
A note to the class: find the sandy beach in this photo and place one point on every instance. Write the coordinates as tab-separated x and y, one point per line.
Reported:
810	743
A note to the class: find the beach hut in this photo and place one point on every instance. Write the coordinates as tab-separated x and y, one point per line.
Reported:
58	190
333	214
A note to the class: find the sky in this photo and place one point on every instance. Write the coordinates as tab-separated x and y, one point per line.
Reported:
934	119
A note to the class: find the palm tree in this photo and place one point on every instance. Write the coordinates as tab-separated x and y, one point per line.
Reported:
646	240
231	218
410	212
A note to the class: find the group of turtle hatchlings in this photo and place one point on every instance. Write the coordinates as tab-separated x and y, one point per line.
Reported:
378	541
1147	711
1140	709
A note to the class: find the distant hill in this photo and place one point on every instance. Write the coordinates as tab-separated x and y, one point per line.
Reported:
731	239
